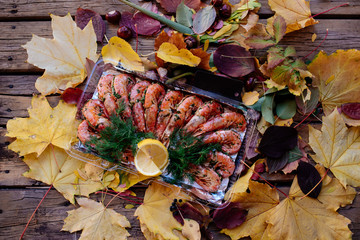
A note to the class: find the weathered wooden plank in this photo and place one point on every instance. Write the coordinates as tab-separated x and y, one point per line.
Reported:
18	205
18	84
49	218
40	9
343	34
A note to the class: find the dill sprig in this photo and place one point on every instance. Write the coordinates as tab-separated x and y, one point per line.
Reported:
185	151
117	138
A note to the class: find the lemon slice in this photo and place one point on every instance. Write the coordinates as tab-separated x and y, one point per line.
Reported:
151	157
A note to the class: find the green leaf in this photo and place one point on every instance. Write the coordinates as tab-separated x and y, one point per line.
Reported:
258	42
281	74
267	108
294	154
184	15
279	27
290	52
203	20
177	26
286	108
258	104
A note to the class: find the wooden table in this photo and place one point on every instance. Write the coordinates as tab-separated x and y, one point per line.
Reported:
21	18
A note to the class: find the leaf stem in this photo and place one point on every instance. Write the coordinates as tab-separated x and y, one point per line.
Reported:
327	32
116	195
177	26
173	79
32	215
345	4
271	185
307	116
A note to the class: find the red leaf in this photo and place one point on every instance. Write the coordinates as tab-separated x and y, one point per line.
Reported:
352	110
127	20
83	16
71	95
188	211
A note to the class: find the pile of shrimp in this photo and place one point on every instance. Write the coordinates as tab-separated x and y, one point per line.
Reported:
154	109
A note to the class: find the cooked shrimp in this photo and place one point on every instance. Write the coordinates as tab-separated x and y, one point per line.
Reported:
95	113
105	93
136	95
229	139
204	112
207	178
224	120
182	115
154	94
85	133
223	164
122	85
171	99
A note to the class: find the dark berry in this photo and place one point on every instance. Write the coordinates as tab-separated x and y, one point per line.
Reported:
124	32
175	200
172	208
190	41
113	17
225	11
180	200
217	3
250	84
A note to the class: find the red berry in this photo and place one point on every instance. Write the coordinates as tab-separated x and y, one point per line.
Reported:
225	11
113	17
124	32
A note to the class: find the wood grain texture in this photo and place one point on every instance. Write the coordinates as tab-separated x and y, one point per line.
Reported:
48	220
343	34
40	9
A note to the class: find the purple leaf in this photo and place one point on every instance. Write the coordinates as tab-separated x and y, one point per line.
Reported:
145	25
82	18
352	110
308	177
127	20
171	5
278	140
233	60
188	211
204	19
229	215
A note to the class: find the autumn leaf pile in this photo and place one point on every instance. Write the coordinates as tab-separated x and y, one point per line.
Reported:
283	85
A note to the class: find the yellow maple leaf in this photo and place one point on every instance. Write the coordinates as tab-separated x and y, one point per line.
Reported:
44	126
337	148
170	53
250	98
128	179
155	212
297	14
259	202
337	77
63	57
96	221
55	167
120	51
307	218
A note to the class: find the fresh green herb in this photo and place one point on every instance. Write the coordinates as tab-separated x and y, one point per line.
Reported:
185	152
116	138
